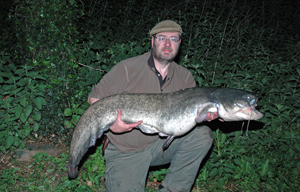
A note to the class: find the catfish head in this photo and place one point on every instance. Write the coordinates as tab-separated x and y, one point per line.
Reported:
235	105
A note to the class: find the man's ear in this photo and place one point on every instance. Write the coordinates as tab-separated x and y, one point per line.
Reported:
152	39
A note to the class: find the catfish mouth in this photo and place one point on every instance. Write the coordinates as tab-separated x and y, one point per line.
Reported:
253	104
257	113
239	111
253	113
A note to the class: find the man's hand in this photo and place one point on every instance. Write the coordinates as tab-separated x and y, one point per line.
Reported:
120	127
211	116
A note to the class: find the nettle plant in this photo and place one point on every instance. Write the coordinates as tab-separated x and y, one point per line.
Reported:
22	99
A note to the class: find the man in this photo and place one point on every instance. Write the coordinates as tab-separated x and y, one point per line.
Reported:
131	152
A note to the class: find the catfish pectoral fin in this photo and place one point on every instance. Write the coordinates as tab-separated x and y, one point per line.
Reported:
168	141
204	109
200	117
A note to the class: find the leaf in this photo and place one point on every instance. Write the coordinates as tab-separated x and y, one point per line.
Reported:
10	140
3	133
221	182
37	116
23	118
23	101
20	72
8	101
32	74
265	168
23	82
228	170
223	138
26	129
20	134
12	67
18	111
78	111
36	126
95	168
204	174
27	111
297	146
68	112
38	101
18	91
17	141
40	77
68	124
199	80
213	172
238	176
8	87
41	87
159	175
75	118
237	161
2	148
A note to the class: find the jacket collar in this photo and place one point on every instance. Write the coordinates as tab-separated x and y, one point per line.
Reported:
170	74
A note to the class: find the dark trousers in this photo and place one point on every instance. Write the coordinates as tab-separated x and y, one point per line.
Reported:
128	171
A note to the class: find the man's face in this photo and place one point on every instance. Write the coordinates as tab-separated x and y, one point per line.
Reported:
164	49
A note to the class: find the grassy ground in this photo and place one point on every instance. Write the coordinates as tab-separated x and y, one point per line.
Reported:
49	173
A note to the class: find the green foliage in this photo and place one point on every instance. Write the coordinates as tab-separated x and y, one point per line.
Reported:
49	173
8	177
47	41
159	175
95	168
75	113
21	103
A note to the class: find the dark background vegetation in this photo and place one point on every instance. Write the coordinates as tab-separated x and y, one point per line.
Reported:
52	52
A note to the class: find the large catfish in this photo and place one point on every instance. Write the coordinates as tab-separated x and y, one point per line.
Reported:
170	114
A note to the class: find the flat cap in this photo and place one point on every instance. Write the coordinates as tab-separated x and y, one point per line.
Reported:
166	26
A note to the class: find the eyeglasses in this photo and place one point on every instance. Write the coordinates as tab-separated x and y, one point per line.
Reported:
161	39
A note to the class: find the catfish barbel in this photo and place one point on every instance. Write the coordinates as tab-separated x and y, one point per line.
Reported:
169	114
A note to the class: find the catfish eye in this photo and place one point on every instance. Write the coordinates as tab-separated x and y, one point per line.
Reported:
252	102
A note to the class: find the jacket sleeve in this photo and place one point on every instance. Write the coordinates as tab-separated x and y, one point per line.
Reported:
189	81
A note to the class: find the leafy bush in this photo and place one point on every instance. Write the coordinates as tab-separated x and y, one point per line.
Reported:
21	103
46	34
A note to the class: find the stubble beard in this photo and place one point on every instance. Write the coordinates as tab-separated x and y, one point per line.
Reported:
163	59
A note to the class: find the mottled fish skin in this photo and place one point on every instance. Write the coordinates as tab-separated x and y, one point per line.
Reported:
171	114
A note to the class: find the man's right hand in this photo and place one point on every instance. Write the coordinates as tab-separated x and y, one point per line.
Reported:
120	126
92	100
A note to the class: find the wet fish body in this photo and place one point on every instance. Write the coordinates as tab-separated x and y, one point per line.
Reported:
170	114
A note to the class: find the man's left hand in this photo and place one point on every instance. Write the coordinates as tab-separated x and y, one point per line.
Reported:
211	116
